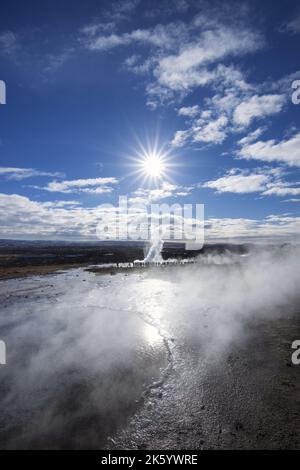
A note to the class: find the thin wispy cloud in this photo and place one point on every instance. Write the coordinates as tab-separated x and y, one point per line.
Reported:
9	43
182	54
164	191
273	227
13	173
292	26
88	185
108	20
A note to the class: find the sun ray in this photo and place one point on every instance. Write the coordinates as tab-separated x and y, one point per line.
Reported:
151	162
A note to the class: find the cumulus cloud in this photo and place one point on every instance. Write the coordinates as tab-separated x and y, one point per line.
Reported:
231	110
208	128
240	181
286	151
267	181
24	218
257	107
213	131
21	217
282	190
233	107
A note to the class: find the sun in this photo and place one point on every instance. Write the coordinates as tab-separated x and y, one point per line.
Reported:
152	162
153	165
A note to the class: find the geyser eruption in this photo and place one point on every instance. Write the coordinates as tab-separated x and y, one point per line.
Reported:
154	252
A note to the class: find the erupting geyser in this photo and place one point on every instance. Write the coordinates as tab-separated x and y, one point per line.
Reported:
154	252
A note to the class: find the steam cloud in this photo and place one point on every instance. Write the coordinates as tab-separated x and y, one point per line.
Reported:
78	348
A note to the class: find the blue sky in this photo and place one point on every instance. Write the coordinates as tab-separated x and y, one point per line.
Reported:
89	84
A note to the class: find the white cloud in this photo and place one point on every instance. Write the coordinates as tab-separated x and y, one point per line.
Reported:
214	131
257	107
285	151
280	227
248	139
14	173
282	190
242	181
180	138
232	109
160	36
166	189
21	217
206	129
109	42
189	111
267	181
291	200
88	185
186	69
58	204
182	55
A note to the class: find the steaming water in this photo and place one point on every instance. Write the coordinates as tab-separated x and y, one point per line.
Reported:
80	359
87	355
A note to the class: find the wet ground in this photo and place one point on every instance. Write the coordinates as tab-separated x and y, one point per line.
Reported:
138	360
79	361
